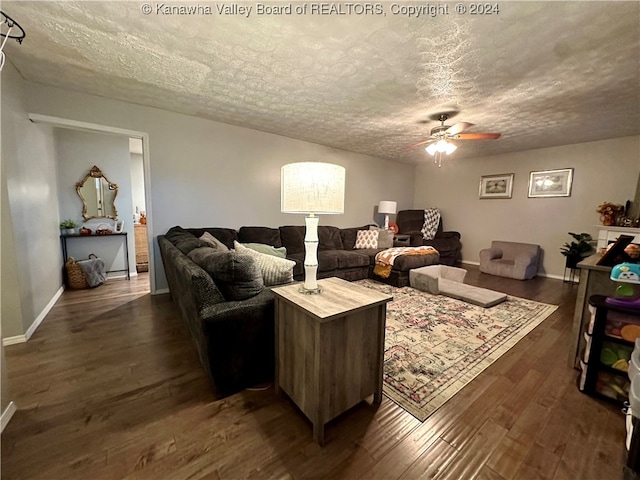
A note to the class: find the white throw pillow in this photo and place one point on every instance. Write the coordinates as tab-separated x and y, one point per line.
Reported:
275	270
367	239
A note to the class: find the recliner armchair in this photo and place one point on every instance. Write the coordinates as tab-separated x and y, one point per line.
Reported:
448	244
510	259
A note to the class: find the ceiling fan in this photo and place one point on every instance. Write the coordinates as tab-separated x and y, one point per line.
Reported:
440	138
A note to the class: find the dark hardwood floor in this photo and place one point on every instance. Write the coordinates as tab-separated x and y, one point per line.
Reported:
110	387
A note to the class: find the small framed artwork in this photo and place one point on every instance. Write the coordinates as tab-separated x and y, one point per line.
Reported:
496	186
551	183
119	227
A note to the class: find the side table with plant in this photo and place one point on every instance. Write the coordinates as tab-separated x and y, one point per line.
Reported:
576	250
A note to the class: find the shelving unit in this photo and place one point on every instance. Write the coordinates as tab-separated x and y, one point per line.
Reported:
603	373
142	249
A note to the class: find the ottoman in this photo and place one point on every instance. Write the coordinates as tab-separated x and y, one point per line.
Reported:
399	276
445	280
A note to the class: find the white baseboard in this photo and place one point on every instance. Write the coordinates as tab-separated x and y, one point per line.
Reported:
36	323
160	291
547	275
469	262
121	275
13	340
6	415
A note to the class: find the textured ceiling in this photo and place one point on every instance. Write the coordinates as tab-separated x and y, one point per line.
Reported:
541	73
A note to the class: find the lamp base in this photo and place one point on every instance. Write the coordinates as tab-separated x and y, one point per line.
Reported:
310	291
310	285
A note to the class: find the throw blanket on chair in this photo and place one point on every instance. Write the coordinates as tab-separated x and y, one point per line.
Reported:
431	222
385	258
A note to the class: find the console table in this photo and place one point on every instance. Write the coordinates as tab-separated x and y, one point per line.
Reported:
120	236
329	348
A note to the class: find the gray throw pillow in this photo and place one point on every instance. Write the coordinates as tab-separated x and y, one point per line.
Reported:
213	242
236	275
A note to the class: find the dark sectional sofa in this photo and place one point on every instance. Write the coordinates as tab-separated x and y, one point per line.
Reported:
447	243
234	338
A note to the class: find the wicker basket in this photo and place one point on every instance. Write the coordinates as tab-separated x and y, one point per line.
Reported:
75	275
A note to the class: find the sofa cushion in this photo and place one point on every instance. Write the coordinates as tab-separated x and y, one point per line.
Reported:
329	238
184	240
268	249
275	270
327	261
237	276
225	235
292	237
213	242
404	263
265	235
350	258
298	259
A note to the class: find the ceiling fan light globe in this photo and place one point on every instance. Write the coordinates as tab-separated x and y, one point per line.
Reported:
441	146
450	148
431	149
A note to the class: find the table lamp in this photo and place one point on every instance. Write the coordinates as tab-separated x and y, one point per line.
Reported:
311	188
387	207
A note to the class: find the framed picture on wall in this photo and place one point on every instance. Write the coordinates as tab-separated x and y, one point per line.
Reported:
551	183
496	186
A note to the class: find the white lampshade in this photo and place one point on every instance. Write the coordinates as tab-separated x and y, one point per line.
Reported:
387	206
312	187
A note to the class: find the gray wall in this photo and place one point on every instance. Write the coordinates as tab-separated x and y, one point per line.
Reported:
31	256
137	183
605	170
205	173
76	153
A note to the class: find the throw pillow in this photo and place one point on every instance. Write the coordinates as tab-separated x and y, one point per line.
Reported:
275	270
267	249
213	242
237	276
366	239
385	237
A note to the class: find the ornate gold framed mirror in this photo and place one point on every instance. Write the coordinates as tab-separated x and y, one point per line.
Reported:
98	195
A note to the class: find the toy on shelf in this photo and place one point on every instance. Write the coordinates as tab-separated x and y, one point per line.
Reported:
627	275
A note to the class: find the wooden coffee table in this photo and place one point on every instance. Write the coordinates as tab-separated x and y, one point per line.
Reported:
329	348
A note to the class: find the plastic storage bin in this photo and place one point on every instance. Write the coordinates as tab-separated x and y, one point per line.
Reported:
612	386
615	355
634	363
621	325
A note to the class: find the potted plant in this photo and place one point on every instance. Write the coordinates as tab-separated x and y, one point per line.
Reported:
576	250
68	227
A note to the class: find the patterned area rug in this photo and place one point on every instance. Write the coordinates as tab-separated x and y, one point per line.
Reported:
435	345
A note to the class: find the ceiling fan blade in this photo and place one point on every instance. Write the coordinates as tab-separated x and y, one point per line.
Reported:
420	143
476	136
458	127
